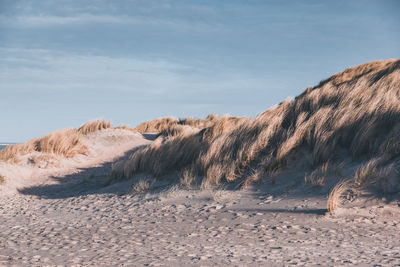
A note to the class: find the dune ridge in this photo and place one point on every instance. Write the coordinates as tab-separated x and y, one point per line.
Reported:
66	142
170	126
353	116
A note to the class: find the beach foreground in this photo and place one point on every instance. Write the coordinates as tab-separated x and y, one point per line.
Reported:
73	219
192	228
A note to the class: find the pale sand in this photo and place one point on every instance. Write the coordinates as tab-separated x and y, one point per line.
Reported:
66	216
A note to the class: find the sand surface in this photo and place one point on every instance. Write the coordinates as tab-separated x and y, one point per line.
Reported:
66	216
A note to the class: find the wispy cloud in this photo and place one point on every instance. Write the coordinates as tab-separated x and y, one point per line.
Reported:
27	70
48	20
46	70
43	21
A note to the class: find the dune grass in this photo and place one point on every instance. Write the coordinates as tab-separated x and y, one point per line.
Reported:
180	150
352	115
66	143
2	180
156	125
93	126
335	196
366	173
170	126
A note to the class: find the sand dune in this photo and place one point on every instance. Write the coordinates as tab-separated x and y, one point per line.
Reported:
349	122
167	193
39	168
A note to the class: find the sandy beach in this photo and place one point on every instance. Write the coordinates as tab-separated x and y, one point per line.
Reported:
67	217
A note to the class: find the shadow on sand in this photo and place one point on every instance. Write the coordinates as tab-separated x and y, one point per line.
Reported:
93	180
295	211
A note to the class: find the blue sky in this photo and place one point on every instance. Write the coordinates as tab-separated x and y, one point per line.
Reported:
63	63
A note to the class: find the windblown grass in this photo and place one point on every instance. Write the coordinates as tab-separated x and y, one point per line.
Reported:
93	126
66	142
156	125
335	196
366	173
11	153
320	175
171	126
180	150
354	114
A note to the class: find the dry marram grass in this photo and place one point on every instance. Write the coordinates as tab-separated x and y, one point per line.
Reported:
66	142
171	126
156	125
94	126
334	198
365	174
319	176
354	114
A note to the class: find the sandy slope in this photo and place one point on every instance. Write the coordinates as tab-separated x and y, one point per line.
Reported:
104	147
67	216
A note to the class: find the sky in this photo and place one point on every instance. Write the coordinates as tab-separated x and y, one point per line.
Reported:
63	63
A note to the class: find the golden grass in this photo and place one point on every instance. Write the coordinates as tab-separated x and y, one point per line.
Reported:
334	198
354	114
93	126
66	142
352	73
2	180
156	125
173	130
366	173
11	153
181	150
63	142
315	179
171	126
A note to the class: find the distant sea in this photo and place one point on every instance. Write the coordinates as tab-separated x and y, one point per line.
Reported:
3	145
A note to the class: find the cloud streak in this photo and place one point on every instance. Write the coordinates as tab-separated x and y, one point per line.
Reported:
40	70
46	70
45	21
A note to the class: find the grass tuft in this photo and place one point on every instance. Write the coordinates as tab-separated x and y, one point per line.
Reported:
141	186
334	198
366	173
93	126
320	175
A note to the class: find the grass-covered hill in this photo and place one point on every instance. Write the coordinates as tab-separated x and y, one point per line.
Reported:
351	117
